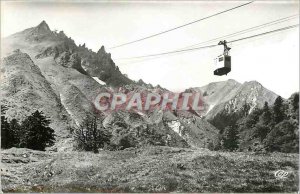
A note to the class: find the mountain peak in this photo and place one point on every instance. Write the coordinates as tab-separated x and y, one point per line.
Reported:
232	81
43	27
252	83
101	50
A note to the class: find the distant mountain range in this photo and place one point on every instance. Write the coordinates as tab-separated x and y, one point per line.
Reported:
46	70
231	95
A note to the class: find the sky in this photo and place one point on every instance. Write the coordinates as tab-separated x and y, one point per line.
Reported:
272	60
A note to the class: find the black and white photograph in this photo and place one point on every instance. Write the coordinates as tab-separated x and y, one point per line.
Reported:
136	96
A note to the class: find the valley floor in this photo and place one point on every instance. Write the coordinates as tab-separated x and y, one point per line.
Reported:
153	169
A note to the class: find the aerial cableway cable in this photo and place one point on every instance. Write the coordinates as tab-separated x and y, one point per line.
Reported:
235	33
269	32
210	46
176	51
181	26
247	30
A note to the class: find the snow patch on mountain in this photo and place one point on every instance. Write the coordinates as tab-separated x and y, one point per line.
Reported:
175	126
99	81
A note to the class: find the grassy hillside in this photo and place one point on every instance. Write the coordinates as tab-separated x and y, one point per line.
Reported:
153	169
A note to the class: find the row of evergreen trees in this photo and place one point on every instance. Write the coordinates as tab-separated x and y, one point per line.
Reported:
269	129
33	132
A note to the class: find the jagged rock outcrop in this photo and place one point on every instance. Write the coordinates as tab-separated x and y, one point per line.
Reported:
101	65
42	43
142	83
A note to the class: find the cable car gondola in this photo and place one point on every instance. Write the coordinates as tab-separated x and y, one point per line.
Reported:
223	62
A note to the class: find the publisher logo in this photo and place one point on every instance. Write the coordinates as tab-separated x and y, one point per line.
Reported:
281	174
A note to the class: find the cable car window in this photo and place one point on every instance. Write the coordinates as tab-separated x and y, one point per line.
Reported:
220	59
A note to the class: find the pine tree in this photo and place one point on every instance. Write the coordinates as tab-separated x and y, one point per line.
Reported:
15	130
295	101
278	110
266	116
230	138
253	118
37	133
6	135
262	128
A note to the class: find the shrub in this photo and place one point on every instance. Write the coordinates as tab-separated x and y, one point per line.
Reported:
91	135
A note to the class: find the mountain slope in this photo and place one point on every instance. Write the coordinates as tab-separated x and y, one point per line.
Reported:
25	89
55	56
